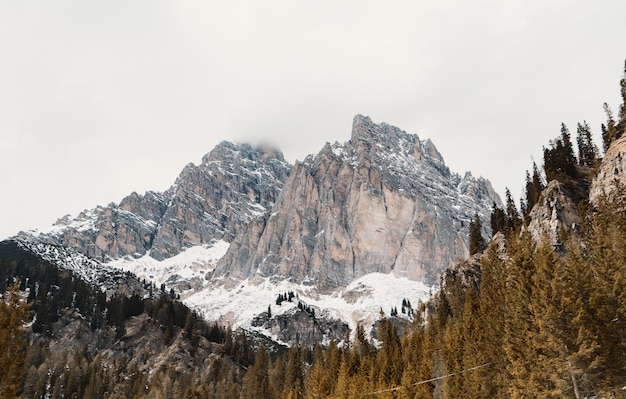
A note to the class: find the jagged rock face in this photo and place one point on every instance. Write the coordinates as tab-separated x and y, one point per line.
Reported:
612	168
210	201
383	202
301	327
554	211
108	232
233	185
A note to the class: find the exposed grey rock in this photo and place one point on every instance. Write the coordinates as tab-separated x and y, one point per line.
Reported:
555	211
611	169
299	327
233	185
211	201
382	202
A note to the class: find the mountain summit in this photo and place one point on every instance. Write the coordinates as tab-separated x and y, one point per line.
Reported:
383	202
208	202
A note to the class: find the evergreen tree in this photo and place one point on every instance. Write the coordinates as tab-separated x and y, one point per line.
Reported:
13	315
513	220
498	220
587	150
519	324
609	131
559	161
389	358
476	240
256	383
277	379
534	186
318	383
601	340
294	377
492	381
548	377
622	85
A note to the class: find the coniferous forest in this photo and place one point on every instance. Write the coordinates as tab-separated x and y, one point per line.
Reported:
524	317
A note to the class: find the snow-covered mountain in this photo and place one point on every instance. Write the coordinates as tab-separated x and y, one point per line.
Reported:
357	228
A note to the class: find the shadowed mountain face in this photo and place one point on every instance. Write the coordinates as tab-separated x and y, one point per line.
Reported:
382	202
208	202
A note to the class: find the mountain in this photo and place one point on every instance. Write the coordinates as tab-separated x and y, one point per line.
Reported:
384	202
207	203
359	227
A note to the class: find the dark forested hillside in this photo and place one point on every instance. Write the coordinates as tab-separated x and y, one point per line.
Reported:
80	344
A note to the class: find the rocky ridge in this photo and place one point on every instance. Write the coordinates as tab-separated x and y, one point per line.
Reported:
383	202
611	169
208	202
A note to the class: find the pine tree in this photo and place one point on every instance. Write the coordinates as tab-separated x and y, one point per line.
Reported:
256	383
318	383
534	186
389	358
587	150
548	377
277	379
492	381
602	343
559	161
476	240
622	85
294	378
13	315
498	220
513	220
609	131
519	325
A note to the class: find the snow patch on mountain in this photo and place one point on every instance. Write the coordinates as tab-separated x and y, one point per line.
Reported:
358	303
192	265
106	278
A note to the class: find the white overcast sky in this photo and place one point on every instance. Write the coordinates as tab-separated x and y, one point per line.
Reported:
99	99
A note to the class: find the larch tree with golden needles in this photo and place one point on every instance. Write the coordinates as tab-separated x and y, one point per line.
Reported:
13	315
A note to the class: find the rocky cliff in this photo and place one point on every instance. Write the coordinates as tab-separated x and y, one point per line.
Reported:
555	211
611	169
208	202
383	202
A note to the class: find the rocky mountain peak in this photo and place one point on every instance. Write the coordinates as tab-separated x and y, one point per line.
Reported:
367	135
382	202
234	184
232	152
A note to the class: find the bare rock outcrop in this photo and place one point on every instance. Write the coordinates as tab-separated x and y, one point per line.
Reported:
234	184
611	169
382	202
555	211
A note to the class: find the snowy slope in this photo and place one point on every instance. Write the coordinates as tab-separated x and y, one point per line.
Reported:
189	269
358	303
107	279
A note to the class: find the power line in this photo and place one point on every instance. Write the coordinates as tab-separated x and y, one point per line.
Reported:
431	379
